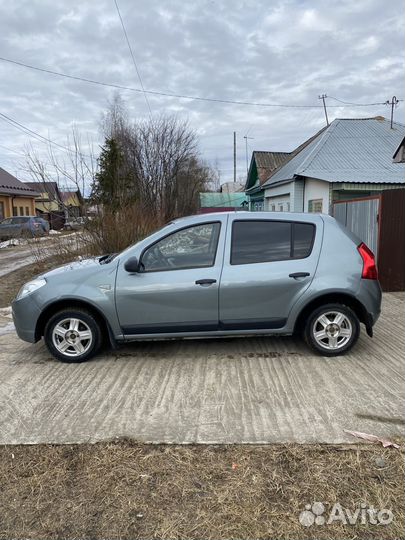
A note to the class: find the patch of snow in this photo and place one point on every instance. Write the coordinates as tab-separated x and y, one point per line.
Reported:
8	329
6	312
52	231
12	242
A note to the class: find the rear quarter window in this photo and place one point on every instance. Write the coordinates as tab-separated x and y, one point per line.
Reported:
303	239
269	240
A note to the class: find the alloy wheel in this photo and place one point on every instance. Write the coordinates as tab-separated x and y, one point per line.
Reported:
332	330
72	337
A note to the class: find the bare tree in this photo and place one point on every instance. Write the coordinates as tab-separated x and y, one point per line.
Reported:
160	156
75	170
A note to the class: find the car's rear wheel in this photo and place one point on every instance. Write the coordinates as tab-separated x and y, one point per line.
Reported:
73	335
332	329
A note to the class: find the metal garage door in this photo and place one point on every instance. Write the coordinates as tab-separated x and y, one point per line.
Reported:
360	217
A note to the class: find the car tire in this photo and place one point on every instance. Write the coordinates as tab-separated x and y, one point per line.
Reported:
332	329
73	335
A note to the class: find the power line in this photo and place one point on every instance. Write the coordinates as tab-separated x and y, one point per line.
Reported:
11	150
182	96
35	135
358	104
133	56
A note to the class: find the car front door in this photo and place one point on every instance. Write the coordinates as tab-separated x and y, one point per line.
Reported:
268	265
176	287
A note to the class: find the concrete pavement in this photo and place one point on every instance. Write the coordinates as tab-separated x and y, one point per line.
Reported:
250	390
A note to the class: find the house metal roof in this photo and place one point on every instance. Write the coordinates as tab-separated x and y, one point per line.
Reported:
50	188
66	195
269	160
262	165
349	150
10	185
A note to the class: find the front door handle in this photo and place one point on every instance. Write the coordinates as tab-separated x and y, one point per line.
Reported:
299	274
205	281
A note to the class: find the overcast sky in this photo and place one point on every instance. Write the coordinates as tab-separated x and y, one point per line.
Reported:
262	51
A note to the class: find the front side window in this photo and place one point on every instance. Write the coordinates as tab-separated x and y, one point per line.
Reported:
266	241
193	247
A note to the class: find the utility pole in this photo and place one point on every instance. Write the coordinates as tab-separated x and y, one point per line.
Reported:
393	103
323	97
234	156
247	162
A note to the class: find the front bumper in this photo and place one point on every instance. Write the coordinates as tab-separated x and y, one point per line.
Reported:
25	315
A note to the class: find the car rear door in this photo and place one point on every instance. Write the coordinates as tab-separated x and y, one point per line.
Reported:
269	263
176	289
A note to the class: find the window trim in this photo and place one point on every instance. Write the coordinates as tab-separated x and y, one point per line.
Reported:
176	231
292	236
312	202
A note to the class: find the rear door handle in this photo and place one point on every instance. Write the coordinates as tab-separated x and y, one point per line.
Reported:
299	274
205	281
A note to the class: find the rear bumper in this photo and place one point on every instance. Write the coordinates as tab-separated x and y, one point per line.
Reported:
370	295
25	315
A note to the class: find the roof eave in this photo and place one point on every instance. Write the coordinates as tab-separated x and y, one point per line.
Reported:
280	182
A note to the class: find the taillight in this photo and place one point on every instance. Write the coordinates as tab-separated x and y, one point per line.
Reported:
369	266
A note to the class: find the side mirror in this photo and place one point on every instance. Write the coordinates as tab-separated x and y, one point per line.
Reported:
132	265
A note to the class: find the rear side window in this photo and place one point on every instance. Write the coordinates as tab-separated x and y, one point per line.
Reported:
266	241
303	237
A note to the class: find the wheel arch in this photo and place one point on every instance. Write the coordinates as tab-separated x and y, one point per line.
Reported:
66	303
333	298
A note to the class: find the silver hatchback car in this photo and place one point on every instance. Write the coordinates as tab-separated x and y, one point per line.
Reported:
211	275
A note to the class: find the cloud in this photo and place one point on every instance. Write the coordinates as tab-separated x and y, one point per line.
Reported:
247	50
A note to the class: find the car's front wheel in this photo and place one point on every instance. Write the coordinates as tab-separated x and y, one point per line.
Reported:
332	329
73	335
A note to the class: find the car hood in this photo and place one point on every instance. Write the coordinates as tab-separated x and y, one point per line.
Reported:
85	266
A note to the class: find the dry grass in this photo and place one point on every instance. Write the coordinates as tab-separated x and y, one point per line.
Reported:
116	230
128	490
12	282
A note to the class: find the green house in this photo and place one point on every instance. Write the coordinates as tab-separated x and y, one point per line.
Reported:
261	167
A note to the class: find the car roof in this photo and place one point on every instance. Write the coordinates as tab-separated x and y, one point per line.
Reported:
246	215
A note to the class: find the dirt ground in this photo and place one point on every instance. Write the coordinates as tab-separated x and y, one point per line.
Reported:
128	490
11	283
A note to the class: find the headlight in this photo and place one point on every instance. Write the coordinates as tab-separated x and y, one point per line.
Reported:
30	287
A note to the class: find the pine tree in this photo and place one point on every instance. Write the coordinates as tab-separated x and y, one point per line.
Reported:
113	182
